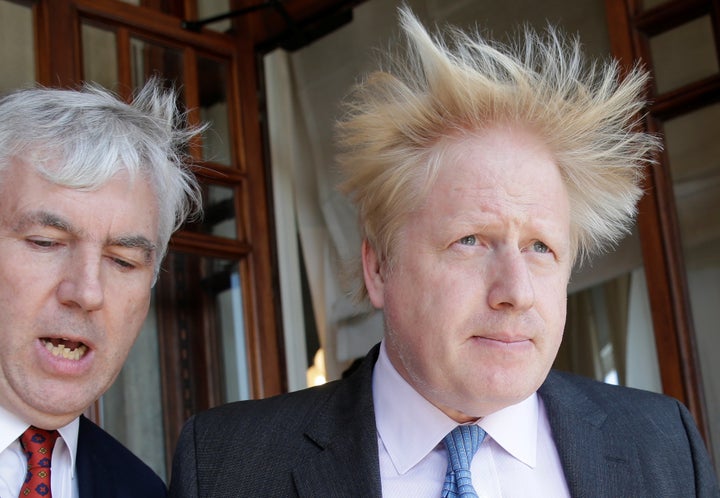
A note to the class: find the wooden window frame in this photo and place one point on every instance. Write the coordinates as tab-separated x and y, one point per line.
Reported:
59	63
630	27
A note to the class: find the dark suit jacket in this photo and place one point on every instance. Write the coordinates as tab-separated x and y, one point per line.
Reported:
106	469
321	442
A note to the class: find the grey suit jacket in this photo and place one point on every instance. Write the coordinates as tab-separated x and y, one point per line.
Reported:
321	442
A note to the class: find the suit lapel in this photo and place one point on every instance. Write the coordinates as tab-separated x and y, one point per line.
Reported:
89	465
344	432
597	455
595	448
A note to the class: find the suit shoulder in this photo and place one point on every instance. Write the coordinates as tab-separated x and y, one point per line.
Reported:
121	455
564	387
603	389
336	398
98	450
657	429
301	404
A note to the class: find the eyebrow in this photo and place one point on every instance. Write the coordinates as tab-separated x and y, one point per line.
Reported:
51	220
136	242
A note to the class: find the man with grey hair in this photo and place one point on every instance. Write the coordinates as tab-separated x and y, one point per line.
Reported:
91	189
480	172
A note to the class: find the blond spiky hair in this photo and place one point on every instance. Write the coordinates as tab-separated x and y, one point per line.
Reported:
399	122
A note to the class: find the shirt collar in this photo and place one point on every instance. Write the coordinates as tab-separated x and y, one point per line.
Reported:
12	427
397	403
69	435
515	428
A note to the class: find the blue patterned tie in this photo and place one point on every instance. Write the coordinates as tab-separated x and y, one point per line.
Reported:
462	443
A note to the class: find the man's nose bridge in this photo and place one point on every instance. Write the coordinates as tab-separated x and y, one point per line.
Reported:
83	278
86	264
511	279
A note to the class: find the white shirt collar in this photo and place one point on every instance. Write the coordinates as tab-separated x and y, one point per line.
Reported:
397	404
12	427
515	428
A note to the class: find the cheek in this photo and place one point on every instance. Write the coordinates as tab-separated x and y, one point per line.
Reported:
410	292
551	291
138	311
554	305
21	271
124	334
130	307
422	307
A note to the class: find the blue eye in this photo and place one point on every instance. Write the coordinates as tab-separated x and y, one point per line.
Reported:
540	247
468	240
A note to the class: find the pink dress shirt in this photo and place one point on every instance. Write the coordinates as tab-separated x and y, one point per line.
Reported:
518	457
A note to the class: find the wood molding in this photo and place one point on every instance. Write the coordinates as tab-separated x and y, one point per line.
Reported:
657	221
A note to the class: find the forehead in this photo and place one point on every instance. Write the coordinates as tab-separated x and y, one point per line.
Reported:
119	206
499	170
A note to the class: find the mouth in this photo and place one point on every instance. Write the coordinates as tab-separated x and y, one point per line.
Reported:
64	348
504	343
504	340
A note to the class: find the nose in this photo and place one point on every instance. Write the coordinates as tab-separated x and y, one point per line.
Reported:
511	284
81	285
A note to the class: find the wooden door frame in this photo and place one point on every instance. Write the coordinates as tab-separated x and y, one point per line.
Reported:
628	27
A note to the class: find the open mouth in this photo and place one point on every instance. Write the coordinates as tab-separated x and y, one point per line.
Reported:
65	348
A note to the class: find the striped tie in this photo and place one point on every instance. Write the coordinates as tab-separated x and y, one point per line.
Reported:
461	443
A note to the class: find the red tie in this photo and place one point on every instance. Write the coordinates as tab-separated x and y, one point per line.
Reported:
38	445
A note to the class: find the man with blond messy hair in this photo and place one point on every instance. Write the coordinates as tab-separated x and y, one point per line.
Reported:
481	173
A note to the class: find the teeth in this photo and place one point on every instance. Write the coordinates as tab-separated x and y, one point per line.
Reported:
67	353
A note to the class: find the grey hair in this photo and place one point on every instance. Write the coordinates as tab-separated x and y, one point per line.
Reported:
81	138
399	122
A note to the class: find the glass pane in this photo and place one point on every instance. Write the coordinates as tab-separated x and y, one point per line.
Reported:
17	46
210	8
99	56
684	54
149	59
212	80
609	333
694	154
131	410
231	322
211	292
219	215
205	9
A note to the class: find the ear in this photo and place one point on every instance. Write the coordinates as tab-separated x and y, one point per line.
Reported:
372	274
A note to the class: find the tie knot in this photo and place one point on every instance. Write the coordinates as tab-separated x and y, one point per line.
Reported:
462	443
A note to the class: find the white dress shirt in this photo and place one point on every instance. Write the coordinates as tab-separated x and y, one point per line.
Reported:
517	458
13	462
